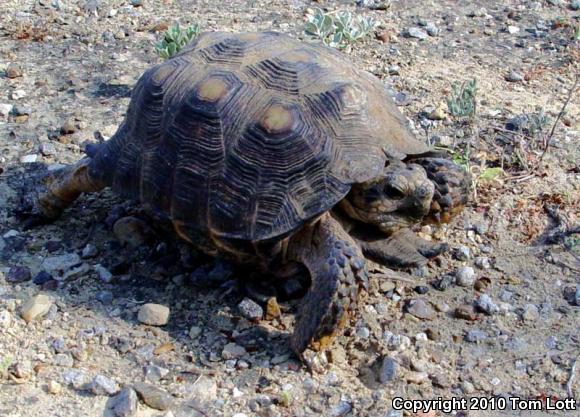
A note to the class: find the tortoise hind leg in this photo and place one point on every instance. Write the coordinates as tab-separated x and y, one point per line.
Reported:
338	271
64	186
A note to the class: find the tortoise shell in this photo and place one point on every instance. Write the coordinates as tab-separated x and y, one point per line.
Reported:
248	136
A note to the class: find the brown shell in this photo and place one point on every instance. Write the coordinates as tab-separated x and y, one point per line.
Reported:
248	136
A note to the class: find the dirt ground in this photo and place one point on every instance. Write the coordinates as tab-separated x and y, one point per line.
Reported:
508	327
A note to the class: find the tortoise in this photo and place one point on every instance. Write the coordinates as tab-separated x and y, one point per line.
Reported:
263	149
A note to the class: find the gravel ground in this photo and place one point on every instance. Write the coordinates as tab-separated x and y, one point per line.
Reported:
105	313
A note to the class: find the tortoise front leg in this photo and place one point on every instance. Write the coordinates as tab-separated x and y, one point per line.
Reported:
452	187
338	272
64	186
403	248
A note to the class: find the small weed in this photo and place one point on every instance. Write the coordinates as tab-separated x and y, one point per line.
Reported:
174	39
462	102
338	29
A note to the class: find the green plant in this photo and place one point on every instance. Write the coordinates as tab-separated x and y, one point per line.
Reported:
462	102
338	29
176	38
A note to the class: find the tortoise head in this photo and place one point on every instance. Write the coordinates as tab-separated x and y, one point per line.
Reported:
397	199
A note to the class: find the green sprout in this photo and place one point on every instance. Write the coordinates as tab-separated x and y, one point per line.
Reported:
175	39
338	29
462	102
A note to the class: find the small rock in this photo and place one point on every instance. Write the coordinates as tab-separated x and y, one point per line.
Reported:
482	262
440	380
485	304
419	365
575	5
531	313
13	71
152	396
445	282
154	373
89	251
194	332
131	231
61	263
124	404
475	336
505	295
272	309
514	77
415	32
432	29
5	110
438	113
18	274
153	314
233	351
250	309
204	391
462	253
102	385
465	276
389	370
5	319
64	359
512	30
105	297
36	307
22	110
363	332
18	94
47	149
103	273
416	377
53	387
69	127
29	159
466	312
420	309
421	289
75	377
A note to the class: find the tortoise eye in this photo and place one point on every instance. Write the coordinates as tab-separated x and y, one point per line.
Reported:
393	192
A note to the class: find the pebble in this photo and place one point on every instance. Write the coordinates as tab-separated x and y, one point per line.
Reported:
152	396
5	319
419	365
363	332
465	276
29	159
432	29
5	110
272	309
102	385
467	387
64	359
36	307
531	313
250	309
47	149
13	71
475	336
421	289
124	404
53	387
505	295
194	332
512	30
18	94
131	231
462	253
22	110
514	77
154	373
485	304
103	273
445	282
418	33
205	390
416	377
482	262
233	351
105	297
89	251
153	314
68	127
420	309
60	263
466	312
18	274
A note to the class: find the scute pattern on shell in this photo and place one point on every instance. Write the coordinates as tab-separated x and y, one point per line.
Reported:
247	136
